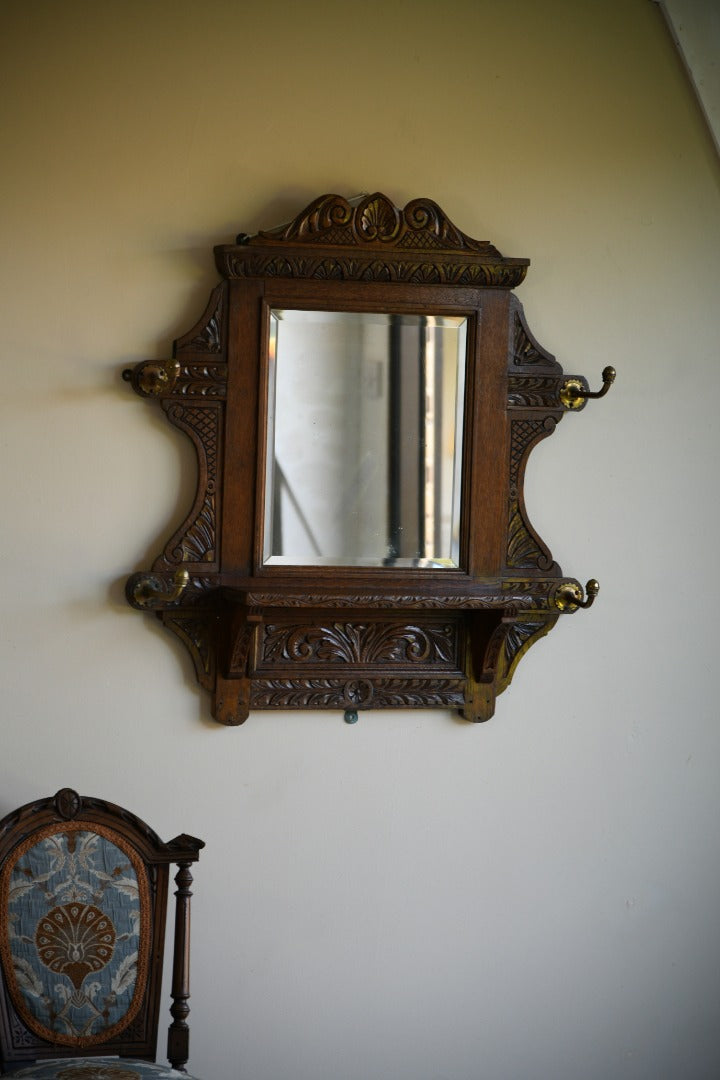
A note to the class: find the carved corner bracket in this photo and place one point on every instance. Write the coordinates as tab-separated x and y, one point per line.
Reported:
344	638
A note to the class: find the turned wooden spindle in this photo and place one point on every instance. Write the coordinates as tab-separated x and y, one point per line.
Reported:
178	1032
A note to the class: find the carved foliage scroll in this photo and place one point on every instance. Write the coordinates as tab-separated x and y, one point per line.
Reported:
359	644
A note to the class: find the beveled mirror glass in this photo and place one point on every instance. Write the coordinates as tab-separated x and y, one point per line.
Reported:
364	439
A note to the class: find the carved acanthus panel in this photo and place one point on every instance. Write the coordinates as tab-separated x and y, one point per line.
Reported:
358	644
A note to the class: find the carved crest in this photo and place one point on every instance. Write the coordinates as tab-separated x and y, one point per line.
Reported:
368	238
374	219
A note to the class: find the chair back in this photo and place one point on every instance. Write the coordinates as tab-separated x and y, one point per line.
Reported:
83	901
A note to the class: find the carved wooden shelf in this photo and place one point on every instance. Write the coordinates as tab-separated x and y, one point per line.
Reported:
318	636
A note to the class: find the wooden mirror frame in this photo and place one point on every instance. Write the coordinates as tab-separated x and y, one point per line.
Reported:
349	638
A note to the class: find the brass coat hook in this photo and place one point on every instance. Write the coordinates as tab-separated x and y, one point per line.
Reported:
573	394
152	592
569	595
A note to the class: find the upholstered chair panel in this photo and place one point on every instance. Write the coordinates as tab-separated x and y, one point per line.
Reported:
75	934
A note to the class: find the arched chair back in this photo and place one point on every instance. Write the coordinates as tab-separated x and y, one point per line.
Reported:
83	902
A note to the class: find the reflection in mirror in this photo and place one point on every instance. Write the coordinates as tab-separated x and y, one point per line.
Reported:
364	445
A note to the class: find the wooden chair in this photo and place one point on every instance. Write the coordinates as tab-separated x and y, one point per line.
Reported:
83	900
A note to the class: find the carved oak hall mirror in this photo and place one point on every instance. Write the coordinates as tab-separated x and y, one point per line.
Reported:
363	393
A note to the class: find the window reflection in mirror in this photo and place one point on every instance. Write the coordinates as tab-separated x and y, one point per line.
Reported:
364	444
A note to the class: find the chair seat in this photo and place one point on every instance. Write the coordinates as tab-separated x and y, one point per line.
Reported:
99	1068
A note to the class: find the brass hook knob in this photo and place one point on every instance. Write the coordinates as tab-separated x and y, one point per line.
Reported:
149	590
151	378
573	394
569	596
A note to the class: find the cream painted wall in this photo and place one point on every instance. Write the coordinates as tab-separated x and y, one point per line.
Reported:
411	898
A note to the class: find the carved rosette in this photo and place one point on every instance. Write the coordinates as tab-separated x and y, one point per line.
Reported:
67	804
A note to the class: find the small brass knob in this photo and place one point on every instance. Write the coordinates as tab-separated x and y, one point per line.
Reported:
153	377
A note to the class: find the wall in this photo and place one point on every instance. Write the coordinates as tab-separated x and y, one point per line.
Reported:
695	27
411	897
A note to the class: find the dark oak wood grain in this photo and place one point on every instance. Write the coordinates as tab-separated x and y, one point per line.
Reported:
266	636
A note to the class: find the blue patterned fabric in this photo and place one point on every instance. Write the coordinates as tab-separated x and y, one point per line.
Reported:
100	1068
75	904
